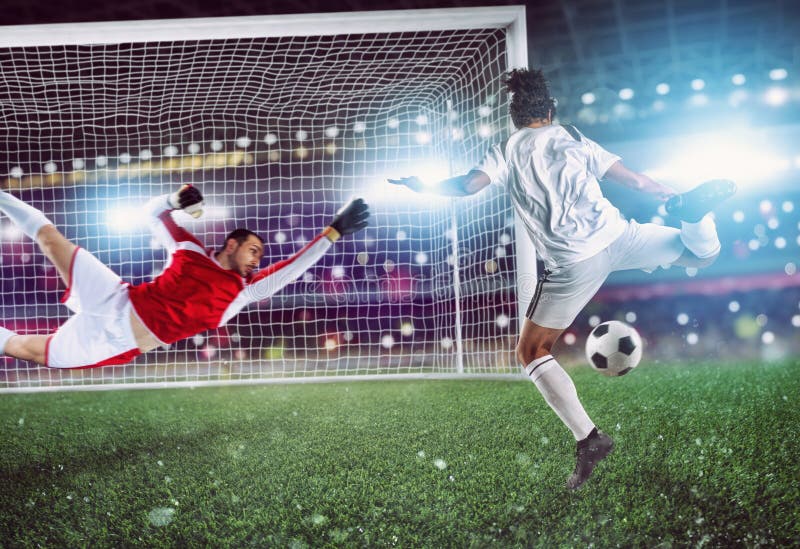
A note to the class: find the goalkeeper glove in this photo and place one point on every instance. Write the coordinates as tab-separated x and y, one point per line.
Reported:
350	218
189	199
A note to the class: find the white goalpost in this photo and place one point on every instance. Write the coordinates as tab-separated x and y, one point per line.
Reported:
278	120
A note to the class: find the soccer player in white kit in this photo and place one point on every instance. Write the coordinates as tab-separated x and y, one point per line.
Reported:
199	289
552	174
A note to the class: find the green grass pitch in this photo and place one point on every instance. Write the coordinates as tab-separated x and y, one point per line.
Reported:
706	455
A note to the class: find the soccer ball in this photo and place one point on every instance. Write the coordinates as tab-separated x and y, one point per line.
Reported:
614	348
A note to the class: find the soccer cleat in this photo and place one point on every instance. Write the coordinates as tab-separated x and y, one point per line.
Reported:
693	205
590	451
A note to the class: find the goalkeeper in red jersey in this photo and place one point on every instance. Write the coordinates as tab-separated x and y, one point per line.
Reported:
199	289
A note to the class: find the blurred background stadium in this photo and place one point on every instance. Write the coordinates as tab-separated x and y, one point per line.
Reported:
682	90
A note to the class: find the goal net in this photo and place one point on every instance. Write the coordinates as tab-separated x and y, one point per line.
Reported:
279	121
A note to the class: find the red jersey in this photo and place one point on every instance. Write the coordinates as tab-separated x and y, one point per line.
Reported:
195	293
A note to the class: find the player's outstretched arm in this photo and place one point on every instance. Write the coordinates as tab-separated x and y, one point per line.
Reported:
168	233
351	218
619	173
462	185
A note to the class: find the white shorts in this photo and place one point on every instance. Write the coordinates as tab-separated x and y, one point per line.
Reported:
561	294
99	333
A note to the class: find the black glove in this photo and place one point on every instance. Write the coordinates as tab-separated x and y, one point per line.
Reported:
351	217
188	198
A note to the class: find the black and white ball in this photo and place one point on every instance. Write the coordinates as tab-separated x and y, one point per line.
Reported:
614	348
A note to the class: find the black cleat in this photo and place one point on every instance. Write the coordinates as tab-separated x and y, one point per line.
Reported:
693	205
591	451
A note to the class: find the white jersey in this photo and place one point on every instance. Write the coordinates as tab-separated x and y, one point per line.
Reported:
552	175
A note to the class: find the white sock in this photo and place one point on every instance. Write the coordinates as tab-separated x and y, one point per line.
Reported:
26	217
701	238
5	335
559	392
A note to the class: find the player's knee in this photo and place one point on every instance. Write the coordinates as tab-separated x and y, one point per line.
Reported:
527	353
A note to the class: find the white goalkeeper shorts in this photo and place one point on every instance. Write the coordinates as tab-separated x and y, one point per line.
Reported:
561	294
99	333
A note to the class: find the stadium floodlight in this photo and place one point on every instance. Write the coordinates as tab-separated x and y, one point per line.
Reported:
719	155
626	94
738	79
662	88
126	218
776	96
260	149
698	84
588	98
778	74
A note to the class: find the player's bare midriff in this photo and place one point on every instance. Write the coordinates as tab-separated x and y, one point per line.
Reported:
145	340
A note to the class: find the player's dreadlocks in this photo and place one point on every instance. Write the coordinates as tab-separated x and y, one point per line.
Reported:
531	96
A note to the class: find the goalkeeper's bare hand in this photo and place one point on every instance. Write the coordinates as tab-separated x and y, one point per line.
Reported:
189	199
351	217
414	183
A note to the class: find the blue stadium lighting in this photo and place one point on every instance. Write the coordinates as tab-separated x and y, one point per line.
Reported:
662	88
484	111
393	123
738	216
626	94
787	206
719	155
698	100
698	84
737	97
126	219
778	74
485	131
588	98
734	306
421	120
659	105
776	96
359	127
422	137
738	79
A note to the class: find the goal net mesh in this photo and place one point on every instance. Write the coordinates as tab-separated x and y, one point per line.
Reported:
277	133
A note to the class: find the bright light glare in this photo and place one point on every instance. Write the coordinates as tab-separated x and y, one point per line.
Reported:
379	191
719	156
625	94
698	84
588	98
738	79
124	219
778	74
776	96
662	89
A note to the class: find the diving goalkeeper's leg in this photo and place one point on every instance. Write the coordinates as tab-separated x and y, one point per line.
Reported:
58	250
37	226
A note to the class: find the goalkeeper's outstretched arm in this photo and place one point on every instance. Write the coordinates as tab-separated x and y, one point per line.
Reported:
168	233
351	218
462	185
